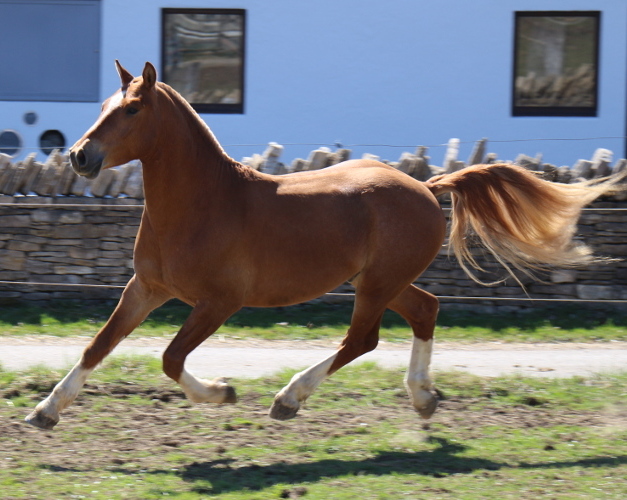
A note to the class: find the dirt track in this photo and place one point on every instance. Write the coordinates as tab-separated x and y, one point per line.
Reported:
146	431
247	359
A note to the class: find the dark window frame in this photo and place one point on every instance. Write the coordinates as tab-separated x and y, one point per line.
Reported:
548	111
213	108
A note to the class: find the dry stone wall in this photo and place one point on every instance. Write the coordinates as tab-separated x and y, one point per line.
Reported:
603	229
59	232
69	245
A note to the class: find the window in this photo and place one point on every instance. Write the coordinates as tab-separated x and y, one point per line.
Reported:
10	143
51	140
50	50
203	57
556	63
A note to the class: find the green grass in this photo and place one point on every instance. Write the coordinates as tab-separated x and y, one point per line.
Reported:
357	437
324	321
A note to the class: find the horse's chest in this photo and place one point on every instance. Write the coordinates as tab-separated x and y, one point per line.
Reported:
183	265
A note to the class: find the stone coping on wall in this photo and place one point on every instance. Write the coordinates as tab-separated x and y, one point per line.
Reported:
56	179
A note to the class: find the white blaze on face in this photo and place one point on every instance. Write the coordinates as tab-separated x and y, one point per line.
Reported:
114	102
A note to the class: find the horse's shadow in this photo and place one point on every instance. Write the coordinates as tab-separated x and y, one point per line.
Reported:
217	476
438	463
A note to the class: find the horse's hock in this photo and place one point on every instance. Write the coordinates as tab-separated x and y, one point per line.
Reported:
61	231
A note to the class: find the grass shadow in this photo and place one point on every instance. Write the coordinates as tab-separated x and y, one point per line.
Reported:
564	316
217	476
174	313
220	476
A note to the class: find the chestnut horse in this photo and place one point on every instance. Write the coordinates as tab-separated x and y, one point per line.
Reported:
219	236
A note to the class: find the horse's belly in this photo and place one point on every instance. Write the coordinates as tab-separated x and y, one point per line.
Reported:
290	279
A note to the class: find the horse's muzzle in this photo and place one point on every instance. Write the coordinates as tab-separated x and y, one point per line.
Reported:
86	159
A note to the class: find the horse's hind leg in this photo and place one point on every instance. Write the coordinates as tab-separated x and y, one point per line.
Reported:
362	336
204	320
135	304
420	310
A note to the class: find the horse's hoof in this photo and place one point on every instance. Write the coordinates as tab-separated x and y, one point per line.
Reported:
230	396
279	411
228	391
428	409
38	419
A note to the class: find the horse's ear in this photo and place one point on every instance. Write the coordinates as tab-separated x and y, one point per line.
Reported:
125	76
149	75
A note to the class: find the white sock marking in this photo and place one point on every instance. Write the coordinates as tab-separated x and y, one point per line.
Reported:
65	392
417	379
303	384
202	391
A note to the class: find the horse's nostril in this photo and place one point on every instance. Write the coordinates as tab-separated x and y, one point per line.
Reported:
78	158
81	157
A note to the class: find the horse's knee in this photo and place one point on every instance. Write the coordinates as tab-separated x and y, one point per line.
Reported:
172	365
370	343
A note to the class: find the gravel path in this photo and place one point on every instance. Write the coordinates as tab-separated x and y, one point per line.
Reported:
246	359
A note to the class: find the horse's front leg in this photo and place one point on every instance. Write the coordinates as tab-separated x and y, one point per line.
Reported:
135	304
206	317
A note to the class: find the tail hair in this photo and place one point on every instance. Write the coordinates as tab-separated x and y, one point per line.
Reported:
524	221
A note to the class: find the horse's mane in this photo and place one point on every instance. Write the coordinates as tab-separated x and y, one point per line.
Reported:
197	124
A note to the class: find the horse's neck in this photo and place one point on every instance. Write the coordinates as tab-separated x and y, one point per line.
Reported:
190	170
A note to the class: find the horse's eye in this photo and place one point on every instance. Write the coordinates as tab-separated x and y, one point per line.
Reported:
132	111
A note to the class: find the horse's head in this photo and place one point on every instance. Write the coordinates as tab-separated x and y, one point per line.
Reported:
124	128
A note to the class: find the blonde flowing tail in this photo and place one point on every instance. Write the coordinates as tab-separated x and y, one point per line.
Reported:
523	220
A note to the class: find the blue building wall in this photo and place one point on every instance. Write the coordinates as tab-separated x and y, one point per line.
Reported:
363	72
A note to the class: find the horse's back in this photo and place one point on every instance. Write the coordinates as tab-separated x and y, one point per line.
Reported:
386	194
324	227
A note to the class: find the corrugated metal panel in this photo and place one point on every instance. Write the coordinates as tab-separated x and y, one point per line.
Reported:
50	50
